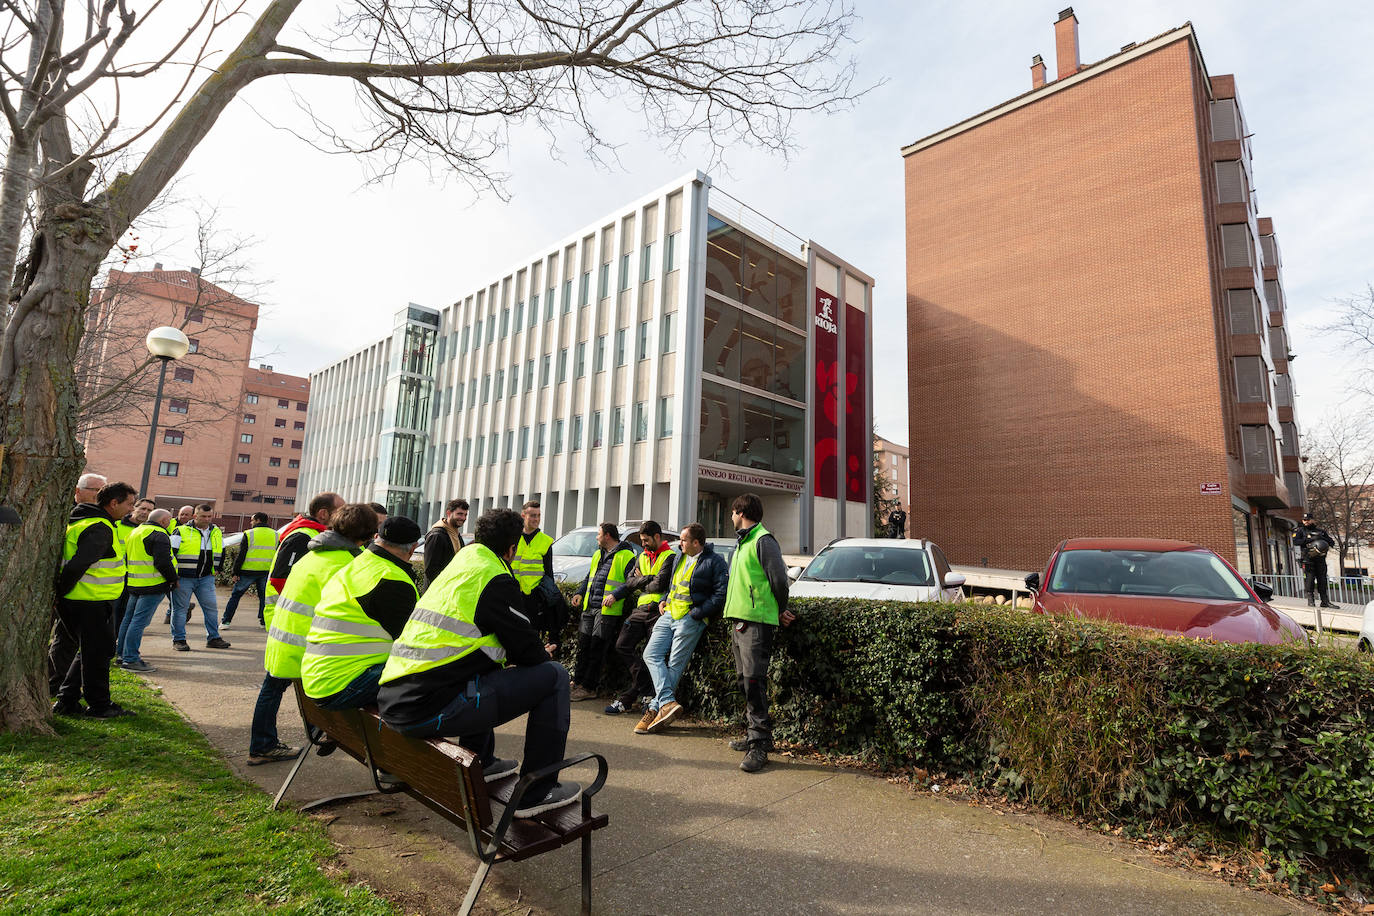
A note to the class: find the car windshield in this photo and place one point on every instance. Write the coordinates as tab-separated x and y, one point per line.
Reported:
886	565
1179	573
575	544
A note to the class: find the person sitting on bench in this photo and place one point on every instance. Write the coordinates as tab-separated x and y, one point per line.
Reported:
468	660
362	608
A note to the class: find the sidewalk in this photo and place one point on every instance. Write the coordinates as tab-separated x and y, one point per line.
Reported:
690	834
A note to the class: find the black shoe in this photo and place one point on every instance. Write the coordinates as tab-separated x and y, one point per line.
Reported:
563	793
180	645
742	745
113	711
754	761
326	747
1329	604
63	708
217	643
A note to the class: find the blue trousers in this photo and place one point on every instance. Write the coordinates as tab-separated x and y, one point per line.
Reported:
203	587
246	581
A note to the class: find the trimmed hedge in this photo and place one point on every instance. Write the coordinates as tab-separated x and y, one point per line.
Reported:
1271	744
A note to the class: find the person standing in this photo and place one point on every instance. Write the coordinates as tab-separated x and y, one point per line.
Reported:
87	486
1313	544
123	528
602	612
756	603
468	661
362	608
200	554
185	515
696	584
89	581
641	621
350	527
152	575
295	543
251	566
533	570
445	539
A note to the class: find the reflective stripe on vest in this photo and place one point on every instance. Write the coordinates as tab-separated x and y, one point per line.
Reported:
748	595
104	580
142	570
442	628
343	641
295	607
528	565
188	551
261	544
680	595
653	567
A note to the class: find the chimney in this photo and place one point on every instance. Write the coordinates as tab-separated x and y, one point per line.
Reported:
196	271
157	266
1037	72
1066	43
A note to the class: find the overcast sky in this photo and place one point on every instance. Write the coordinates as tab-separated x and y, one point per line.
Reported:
339	258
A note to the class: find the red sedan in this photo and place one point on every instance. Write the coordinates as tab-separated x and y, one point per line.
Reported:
1171	586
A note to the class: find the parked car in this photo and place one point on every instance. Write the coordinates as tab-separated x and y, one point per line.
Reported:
879	569
1171	586
572	553
1366	640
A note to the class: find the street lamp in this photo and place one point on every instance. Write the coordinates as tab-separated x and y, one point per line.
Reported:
166	344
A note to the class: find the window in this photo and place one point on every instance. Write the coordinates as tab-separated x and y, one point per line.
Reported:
534	309
519	314
301	405
472	391
580	360
1231	185
196	315
464	344
599	358
567	298
665	417
269	499
182	374
584	289
529	375
646	260
280	423
273	481
558	437
603	282
670	253
274	462
576	434
250	418
510	446
486	389
291	483
1257	449
514	380
240	478
1252	380
238	496
477	334
296	443
524	443
480	442
563	365
641	421
298	424
505	322
1237	247
500	385
595	434
293	462
250	398
246	437
277	443
624	272
1243	306
642	345
195	345
544	365
620	347
539	439
617	425
244	459
283	403
173	436
665	334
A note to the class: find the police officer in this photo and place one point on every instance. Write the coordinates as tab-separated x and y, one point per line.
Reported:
1313	543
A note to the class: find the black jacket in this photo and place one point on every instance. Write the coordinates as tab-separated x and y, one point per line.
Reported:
391	602
1305	536
417	697
92	545
707	586
439	551
159	547
596	590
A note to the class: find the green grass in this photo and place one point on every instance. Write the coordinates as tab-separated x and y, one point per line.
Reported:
142	815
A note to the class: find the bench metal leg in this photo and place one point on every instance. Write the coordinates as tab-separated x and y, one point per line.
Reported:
321	802
475	888
587	875
300	760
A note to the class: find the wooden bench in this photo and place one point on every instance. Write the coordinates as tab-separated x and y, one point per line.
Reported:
447	779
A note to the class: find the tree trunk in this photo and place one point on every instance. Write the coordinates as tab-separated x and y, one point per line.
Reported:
42	456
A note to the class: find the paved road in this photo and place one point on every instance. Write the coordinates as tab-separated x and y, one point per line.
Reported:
689	833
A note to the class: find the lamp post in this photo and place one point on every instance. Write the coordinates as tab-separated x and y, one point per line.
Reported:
166	344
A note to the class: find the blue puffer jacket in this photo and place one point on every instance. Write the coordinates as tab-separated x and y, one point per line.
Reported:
707	588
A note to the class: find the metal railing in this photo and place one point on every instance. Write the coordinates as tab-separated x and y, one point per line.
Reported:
1353	594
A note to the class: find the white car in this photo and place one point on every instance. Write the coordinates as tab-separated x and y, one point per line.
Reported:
879	569
1366	642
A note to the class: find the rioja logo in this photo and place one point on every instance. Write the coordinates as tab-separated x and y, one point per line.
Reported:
826	319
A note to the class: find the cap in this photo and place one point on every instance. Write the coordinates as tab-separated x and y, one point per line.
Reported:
1307	516
399	530
8	516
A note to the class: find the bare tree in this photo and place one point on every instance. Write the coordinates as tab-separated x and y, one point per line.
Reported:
1353	330
442	83
1340	480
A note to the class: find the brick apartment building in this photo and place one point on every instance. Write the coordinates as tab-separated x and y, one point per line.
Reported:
1096	318
895	462
228	434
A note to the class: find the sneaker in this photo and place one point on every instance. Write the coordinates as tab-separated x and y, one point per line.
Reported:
113	711
562	793
180	645
670	711
225	624
217	643
649	716
615	708
580	693
754	761
497	768
138	667
740	744
276	754
63	708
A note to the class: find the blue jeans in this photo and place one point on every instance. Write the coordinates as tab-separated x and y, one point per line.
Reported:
203	587
246	581
263	736
667	653
136	618
360	692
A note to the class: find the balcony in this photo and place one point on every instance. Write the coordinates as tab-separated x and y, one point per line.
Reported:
1267	491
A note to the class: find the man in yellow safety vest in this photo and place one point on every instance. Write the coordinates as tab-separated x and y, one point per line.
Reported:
641	621
251	566
603	609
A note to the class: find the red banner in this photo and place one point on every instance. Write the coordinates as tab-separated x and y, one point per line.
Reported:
826	395
858	439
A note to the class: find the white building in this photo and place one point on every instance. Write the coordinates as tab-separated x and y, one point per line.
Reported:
655	364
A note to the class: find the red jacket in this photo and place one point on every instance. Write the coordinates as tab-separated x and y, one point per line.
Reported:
290	549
